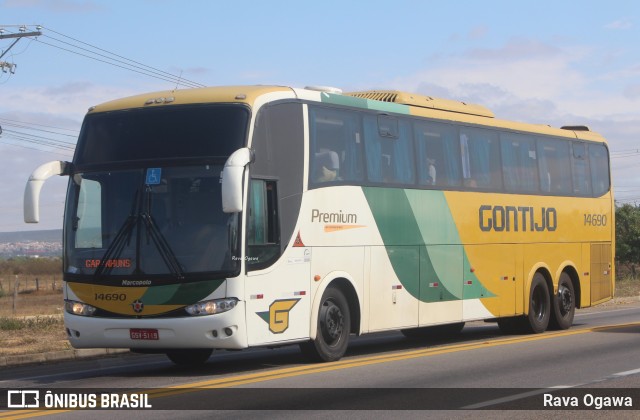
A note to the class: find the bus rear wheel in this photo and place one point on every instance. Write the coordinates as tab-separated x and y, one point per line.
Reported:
537	320
190	357
539	315
564	304
334	327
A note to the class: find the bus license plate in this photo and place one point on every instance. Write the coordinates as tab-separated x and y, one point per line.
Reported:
143	334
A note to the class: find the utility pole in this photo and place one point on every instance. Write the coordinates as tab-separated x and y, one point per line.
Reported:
11	67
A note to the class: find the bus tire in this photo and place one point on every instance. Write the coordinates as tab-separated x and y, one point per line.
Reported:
564	304
334	325
191	357
537	320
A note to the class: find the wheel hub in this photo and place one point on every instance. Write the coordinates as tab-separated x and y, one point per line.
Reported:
566	299
332	323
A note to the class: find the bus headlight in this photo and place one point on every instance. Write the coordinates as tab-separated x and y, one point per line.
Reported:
211	307
79	308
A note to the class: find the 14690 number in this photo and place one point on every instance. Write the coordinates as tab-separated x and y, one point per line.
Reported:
595	219
111	296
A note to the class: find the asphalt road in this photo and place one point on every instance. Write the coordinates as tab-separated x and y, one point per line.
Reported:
590	365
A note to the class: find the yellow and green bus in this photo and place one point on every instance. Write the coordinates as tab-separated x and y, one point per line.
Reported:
244	216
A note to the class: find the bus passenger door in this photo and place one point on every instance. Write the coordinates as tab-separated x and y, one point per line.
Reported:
277	283
278	300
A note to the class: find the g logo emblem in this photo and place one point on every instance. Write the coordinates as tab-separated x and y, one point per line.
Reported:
278	315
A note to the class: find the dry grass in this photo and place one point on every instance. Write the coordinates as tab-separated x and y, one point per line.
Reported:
41	297
32	335
31	319
627	287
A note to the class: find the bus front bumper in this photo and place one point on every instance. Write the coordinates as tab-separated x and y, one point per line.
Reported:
220	331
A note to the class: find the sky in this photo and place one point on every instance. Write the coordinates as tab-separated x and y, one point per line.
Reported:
546	62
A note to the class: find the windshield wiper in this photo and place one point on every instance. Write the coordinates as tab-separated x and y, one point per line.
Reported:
122	237
167	254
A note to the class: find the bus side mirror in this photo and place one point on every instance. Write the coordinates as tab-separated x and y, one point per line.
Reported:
34	185
231	178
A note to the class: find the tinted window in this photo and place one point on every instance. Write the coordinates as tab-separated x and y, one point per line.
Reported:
136	225
519	162
336	146
438	154
480	159
170	131
389	158
414	153
555	173
263	241
580	169
599	159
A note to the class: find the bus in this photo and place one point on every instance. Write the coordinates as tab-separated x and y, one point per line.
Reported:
245	216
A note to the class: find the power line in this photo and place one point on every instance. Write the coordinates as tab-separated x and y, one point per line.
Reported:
40	137
39	150
84	49
7	121
113	59
138	64
621	154
10	124
167	79
47	140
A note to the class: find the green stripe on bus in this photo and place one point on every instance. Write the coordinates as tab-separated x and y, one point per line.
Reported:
180	294
423	244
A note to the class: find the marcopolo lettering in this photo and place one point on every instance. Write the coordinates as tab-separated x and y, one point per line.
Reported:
340	217
517	219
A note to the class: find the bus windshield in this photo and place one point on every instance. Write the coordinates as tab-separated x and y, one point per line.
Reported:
149	221
145	196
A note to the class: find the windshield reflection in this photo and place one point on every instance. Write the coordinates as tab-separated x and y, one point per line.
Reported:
152	221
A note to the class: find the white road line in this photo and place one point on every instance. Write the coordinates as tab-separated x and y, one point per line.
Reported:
522	395
606	312
626	373
505	399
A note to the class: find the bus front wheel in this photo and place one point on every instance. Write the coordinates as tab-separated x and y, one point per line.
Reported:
334	325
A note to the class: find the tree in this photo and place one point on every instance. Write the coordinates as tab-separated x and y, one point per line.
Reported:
628	236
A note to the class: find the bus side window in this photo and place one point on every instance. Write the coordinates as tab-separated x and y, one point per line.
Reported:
480	154
580	169
263	241
599	160
520	164
336	147
388	150
555	174
438	154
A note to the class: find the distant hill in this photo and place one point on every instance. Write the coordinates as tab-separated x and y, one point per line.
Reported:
54	235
